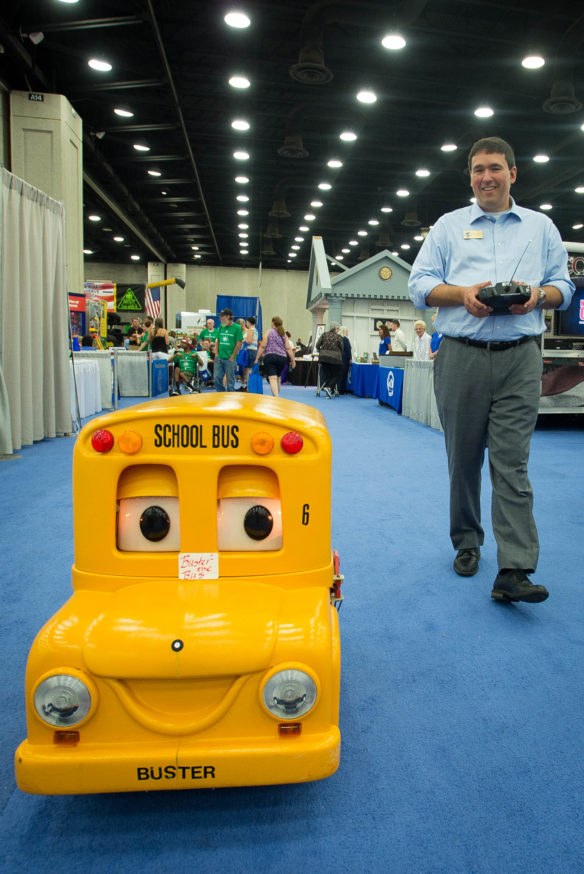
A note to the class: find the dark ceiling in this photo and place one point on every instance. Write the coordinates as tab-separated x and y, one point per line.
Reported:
171	62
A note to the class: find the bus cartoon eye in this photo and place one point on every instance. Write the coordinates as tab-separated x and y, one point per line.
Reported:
155	523
249	524
148	524
258	522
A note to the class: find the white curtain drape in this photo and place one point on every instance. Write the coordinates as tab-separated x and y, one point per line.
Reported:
34	341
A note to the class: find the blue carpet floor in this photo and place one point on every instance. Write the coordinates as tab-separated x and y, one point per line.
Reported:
462	719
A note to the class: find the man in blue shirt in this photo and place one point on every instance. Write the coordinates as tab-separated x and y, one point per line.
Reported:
487	377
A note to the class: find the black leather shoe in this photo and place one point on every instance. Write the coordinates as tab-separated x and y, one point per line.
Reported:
466	563
515	585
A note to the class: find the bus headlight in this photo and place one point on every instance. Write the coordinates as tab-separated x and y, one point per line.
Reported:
63	700
289	693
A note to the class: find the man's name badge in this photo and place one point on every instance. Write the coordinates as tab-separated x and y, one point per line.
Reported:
472	235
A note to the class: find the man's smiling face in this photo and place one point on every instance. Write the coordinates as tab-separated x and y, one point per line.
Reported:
491	179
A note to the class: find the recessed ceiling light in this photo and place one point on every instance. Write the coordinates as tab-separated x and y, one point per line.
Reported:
243	212
334	163
243	226
309	217
298	239
577	227
292	254
361	233
100	65
339	257
154	173
241	156
403	192
239	82
386	209
483	112
393	41
449	147
316	204
422	172
195	248
541	159
545	206
353	243
579	190
164	192
346	251
533	62
418	238
242	180
242	198
325	186
405	246
88	251
119	239
243	235
240	124
373	222
348	136
135	257
124	113
94	218
304	228
237	19
295	248
367	97
197	256
141	148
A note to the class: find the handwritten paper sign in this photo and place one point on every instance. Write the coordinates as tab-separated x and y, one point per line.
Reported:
198	565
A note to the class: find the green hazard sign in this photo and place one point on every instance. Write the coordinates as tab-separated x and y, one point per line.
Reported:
130	298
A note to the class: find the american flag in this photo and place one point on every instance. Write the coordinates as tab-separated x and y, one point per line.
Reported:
152	302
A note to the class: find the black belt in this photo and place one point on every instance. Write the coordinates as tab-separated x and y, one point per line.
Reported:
492	346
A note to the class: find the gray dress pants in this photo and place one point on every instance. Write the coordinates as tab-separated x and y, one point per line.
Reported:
490	399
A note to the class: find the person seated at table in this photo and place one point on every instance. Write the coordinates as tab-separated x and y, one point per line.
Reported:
330	358
421	341
384	339
134	333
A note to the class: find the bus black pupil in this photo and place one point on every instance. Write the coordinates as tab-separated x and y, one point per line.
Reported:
154	523
258	522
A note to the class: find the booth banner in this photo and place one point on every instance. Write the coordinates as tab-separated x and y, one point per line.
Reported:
76	303
102	289
130	298
391	383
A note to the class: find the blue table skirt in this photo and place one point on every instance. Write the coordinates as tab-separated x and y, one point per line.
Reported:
390	385
365	380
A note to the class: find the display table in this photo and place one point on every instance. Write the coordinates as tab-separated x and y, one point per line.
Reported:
86	377
419	402
390	386
365	380
305	372
104	362
132	369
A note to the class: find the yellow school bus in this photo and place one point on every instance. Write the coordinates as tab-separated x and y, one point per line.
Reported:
200	647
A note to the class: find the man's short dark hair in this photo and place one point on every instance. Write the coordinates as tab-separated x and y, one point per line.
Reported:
394	322
492	145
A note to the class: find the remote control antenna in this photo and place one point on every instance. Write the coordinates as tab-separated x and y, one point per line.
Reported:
520	260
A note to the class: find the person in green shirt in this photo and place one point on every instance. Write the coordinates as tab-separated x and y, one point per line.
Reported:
209	332
227	345
185	368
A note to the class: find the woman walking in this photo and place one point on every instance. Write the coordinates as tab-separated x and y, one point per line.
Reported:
330	358
275	352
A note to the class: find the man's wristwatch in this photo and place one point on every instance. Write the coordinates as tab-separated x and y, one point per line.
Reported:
541	300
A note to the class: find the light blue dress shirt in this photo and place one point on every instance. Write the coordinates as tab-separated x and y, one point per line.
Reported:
469	246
